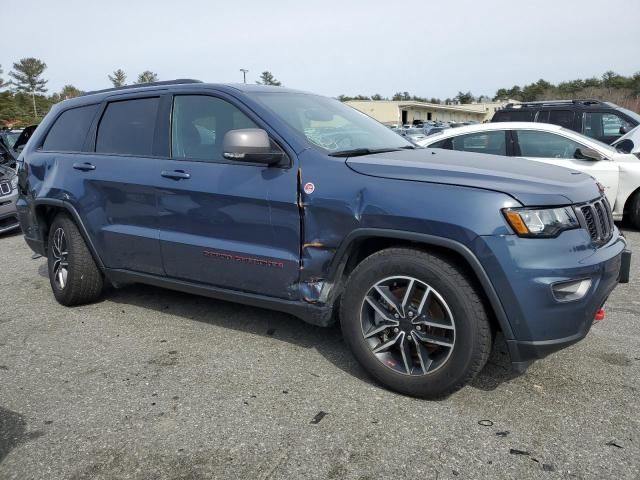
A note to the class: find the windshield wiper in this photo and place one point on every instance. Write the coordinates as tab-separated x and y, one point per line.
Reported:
358	152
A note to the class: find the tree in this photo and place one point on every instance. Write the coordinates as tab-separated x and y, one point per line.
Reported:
27	77
69	91
1	80
465	97
376	96
267	78
118	78
147	77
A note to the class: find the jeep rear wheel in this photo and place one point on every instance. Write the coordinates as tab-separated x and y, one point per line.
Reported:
415	322
73	274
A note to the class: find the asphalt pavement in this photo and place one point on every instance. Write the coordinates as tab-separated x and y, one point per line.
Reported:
151	384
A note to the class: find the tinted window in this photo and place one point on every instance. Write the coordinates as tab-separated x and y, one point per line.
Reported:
199	125
564	118
598	125
127	127
442	144
69	131
513	116
546	145
493	143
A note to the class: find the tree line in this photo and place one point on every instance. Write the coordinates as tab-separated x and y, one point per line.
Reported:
621	90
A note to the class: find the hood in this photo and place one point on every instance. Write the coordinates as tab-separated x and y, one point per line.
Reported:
529	182
629	142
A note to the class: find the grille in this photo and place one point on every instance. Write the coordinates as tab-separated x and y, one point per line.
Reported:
5	188
596	218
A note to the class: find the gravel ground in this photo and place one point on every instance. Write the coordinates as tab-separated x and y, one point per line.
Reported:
155	384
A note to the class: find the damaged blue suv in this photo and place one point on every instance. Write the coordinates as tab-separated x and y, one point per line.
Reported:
296	202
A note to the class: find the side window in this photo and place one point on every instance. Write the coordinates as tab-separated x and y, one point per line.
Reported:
127	127
69	131
493	143
599	125
543	117
199	124
564	118
546	145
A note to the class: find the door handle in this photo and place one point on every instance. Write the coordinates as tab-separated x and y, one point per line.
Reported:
176	175
85	167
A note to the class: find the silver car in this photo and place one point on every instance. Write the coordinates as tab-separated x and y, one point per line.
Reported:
8	197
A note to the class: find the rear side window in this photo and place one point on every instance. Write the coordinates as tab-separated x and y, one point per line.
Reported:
514	116
564	118
493	143
69	131
127	127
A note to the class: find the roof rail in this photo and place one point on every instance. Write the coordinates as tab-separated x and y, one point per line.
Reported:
178	81
539	103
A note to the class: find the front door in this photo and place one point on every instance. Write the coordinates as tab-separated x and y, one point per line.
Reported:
222	222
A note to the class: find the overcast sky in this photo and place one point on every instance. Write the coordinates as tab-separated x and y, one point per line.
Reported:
429	48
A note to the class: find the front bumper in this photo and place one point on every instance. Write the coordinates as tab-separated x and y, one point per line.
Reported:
523	271
8	212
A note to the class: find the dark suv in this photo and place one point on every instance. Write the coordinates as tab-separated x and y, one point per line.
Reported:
296	202
603	121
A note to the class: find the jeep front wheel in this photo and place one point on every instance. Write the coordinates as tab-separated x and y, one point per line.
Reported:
415	322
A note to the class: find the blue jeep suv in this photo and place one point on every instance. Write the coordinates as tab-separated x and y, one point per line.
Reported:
296	202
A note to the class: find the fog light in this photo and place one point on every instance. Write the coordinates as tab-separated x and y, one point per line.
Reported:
571	290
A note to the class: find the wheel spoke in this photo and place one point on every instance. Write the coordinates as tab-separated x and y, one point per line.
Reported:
423	300
405	351
390	298
434	340
379	329
386	345
379	310
433	323
423	355
407	297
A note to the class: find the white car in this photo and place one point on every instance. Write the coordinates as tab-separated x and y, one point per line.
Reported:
617	171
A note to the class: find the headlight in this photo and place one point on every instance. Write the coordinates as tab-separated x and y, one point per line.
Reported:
535	222
14	183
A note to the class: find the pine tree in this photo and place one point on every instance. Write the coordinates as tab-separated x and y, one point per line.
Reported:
27	77
267	78
147	77
118	78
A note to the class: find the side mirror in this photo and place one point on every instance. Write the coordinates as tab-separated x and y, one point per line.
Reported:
584	153
623	130
625	145
251	145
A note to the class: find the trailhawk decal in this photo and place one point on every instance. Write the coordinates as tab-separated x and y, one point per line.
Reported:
241	259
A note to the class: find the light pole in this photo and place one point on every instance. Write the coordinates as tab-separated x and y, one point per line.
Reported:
244	74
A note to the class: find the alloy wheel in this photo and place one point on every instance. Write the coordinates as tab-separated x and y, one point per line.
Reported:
60	266
408	325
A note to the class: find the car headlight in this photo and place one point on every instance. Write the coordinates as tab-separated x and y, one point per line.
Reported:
541	222
14	183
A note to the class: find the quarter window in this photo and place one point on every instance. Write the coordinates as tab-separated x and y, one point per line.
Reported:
493	143
127	127
69	131
546	145
199	124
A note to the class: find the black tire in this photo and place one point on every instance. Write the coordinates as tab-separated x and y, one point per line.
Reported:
473	335
83	282
633	211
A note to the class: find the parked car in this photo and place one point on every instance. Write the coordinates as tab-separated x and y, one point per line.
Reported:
618	172
603	121
23	138
302	204
8	197
9	136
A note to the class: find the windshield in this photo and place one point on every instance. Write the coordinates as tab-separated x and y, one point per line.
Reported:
603	145
330	124
631	114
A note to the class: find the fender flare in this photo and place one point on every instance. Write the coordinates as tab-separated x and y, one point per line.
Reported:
346	246
69	208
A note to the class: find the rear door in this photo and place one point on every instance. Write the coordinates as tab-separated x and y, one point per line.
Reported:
605	126
558	150
226	223
116	183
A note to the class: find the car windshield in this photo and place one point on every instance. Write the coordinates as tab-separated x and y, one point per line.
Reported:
330	124
631	114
